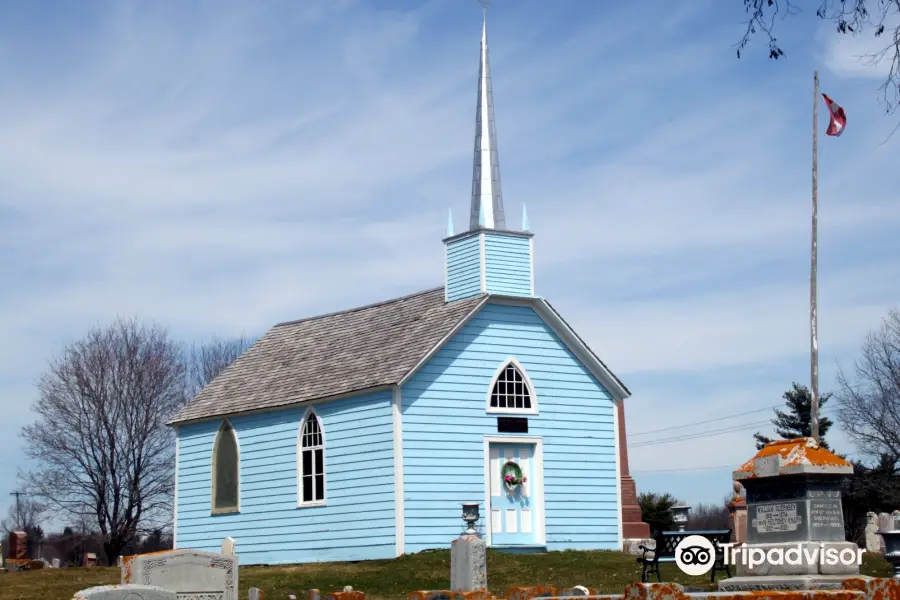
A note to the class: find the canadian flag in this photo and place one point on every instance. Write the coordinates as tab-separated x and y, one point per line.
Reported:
838	117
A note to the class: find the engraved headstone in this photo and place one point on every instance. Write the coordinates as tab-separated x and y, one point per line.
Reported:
192	574
793	495
795	507
255	594
125	592
54	563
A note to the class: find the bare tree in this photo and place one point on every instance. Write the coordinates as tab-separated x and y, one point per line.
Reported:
710	516
206	361
870	405
100	439
24	514
878	18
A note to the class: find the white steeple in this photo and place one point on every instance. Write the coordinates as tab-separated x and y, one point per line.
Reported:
487	200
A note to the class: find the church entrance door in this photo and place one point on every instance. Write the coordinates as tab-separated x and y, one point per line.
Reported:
515	511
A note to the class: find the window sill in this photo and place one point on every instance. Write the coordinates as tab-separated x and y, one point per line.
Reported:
225	511
311	504
512	411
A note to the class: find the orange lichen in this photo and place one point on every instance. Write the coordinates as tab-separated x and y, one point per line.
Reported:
429	594
655	591
475	595
876	588
354	595
795	453
530	592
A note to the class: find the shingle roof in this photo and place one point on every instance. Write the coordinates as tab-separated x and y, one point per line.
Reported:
330	355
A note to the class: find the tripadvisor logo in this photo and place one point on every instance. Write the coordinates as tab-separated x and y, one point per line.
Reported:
695	555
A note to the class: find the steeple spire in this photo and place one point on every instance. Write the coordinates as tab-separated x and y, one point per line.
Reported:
487	200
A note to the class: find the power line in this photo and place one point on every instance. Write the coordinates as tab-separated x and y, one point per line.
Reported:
749	412
18	510
691	436
709	468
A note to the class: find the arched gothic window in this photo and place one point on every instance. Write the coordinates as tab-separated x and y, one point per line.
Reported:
225	471
312	461
511	390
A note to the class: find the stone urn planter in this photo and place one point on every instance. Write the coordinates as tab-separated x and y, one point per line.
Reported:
680	515
892	549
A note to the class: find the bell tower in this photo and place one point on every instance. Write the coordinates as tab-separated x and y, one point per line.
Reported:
489	258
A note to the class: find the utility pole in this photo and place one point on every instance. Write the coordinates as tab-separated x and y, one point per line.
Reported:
18	508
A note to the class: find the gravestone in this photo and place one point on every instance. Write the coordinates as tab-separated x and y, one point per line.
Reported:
54	563
737	514
192	574
228	546
468	563
873	540
793	493
254	594
18	545
125	592
885	522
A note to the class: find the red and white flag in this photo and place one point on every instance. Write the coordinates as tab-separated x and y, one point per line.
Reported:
838	117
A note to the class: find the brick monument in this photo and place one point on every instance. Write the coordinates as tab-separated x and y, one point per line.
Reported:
634	530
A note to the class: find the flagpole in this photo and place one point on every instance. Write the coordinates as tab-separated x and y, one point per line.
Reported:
813	314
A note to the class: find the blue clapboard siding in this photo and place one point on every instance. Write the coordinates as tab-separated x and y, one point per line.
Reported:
445	421
463	268
357	522
507	263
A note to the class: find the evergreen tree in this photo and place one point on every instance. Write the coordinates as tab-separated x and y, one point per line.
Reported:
796	422
656	511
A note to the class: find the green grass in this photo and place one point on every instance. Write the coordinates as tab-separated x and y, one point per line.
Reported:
610	572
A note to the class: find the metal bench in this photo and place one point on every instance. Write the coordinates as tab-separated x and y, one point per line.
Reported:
667	541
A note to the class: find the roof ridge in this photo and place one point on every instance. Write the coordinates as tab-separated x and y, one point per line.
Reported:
358	308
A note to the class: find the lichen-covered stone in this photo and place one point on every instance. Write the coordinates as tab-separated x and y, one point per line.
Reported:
875	588
353	595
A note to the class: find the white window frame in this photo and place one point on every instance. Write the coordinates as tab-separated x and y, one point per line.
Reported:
213	466
512	361
300	502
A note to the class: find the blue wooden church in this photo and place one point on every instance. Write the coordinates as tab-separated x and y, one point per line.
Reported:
358	434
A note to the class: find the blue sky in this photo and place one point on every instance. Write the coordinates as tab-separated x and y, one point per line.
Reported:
222	166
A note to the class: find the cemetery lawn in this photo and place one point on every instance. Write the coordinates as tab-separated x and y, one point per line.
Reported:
608	571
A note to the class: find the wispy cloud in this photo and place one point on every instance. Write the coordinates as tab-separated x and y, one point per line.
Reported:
220	167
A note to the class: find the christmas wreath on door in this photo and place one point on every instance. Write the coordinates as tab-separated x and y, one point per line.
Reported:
512	475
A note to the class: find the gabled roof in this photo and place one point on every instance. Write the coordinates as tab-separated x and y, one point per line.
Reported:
331	355
365	348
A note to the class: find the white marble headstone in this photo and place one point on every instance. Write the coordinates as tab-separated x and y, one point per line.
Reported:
873	540
228	546
125	592
192	574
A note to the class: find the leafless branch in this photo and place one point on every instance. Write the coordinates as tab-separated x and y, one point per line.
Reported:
850	17
100	440
870	408
205	362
